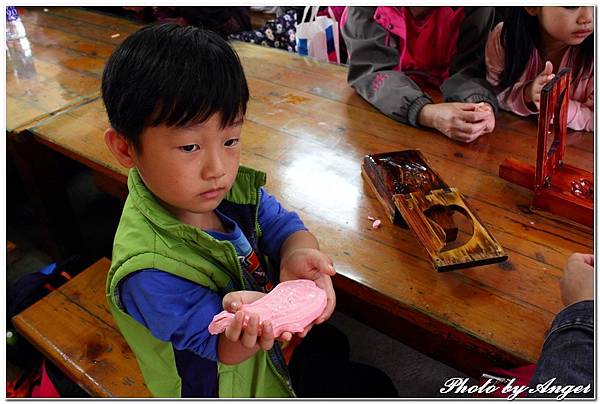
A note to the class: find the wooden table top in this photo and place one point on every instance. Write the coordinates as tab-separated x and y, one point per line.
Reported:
68	49
309	131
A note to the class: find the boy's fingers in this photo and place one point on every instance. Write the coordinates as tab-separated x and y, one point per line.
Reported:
233	331
321	263
232	302
305	331
267	339
250	334
326	266
324	282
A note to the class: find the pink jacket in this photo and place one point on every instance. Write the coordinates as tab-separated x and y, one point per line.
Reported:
581	100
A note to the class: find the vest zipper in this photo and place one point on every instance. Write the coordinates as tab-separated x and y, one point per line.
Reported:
233	253
287	383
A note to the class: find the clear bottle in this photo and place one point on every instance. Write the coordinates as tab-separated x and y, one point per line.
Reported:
14	25
20	58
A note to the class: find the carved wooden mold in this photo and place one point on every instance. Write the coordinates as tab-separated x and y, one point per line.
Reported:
414	194
558	188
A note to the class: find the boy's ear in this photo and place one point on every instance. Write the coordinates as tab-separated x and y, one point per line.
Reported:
532	11
120	147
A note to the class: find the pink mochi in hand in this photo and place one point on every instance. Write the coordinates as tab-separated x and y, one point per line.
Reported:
290	306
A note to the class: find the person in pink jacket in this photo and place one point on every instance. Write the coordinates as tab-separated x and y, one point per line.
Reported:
541	41
396	54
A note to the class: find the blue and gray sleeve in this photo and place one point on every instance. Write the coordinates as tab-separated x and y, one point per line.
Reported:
173	309
276	223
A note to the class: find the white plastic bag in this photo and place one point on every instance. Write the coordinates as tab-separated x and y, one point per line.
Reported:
319	37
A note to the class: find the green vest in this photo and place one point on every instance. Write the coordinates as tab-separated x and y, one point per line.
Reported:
150	237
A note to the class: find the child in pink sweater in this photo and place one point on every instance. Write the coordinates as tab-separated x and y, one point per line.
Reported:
541	41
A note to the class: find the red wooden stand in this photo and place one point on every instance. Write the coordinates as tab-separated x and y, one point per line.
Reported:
558	188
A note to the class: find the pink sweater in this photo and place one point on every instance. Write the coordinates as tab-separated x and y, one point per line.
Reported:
581	100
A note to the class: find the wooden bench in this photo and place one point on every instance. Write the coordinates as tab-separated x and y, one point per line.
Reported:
73	328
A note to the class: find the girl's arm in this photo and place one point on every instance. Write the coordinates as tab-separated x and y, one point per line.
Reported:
373	56
467	81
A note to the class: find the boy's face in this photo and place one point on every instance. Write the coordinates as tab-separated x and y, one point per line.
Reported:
190	169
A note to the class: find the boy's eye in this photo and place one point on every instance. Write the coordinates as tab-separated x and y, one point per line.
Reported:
231	142
188	148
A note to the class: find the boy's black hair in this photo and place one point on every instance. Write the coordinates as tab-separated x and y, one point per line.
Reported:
173	75
520	36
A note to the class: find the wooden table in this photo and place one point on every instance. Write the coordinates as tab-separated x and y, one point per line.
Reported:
69	48
58	66
309	131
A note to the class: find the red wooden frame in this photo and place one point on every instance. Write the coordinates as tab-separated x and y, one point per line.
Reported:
558	188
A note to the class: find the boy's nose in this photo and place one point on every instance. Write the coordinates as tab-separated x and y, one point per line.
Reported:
586	15
213	168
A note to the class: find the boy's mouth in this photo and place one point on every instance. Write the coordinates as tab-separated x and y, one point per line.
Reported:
212	193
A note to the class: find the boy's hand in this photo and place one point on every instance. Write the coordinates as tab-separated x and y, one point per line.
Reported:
577	283
532	92
310	263
249	336
462	121
232	302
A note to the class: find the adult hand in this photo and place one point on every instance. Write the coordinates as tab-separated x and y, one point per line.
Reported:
310	263
532	92
462	121
577	283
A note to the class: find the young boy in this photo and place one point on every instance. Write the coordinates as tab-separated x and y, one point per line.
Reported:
196	225
198	233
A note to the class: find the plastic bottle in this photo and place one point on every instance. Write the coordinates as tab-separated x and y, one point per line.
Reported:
20	58
14	25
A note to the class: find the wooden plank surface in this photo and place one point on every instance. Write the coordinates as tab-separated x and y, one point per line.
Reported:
309	131
68	50
73	327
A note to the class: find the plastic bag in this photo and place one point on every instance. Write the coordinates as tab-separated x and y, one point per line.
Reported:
319	37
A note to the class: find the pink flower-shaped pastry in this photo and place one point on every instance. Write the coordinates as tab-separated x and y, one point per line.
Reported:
290	306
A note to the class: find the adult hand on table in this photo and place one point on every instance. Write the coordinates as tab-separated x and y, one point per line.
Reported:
577	283
460	121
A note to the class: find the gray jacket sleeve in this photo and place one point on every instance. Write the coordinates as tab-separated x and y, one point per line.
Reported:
467	81
371	71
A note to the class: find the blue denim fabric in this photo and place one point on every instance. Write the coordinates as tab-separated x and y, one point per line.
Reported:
568	353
